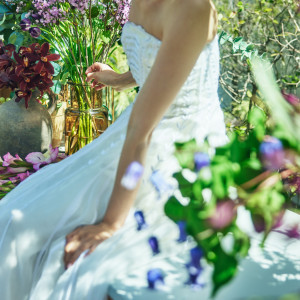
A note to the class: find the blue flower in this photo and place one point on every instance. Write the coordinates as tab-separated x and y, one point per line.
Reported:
140	219
194	267
160	183
155	278
132	176
153	242
182	233
201	160
272	154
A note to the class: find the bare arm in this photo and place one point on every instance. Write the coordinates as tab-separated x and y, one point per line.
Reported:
185	34
103	75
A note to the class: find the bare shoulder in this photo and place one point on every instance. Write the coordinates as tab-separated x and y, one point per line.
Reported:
194	13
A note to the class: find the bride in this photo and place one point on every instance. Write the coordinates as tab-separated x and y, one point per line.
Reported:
69	230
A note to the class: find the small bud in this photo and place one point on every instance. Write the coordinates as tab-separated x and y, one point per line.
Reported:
25	24
35	32
153	242
140	219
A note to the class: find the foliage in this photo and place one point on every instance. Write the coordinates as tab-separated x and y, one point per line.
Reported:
259	171
26	70
276	36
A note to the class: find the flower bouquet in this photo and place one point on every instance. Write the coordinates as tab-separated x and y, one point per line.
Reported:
82	32
259	173
26	70
14	170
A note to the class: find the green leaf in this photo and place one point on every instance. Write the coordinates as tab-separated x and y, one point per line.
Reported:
174	210
3	19
257	118
184	185
16	38
225	269
94	12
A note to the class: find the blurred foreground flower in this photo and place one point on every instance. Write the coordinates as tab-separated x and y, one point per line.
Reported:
194	267
182	232
224	214
155	279
140	219
153	242
132	176
272	153
201	160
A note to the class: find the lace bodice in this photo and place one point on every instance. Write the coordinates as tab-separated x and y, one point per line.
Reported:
199	92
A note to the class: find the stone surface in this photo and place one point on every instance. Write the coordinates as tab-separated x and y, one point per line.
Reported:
24	130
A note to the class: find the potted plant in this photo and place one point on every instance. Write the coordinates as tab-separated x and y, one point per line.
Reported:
25	124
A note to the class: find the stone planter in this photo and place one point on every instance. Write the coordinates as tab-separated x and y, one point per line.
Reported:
24	130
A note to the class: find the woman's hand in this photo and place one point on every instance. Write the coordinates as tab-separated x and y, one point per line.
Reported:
102	75
84	238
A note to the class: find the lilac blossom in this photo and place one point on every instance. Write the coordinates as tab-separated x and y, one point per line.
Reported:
155	279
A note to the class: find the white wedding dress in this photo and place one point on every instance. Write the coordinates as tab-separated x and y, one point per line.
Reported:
37	215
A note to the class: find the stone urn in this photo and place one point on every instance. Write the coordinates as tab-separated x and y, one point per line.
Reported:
24	130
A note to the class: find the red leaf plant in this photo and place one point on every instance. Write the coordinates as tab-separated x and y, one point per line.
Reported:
26	70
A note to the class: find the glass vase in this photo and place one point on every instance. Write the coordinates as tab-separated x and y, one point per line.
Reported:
89	114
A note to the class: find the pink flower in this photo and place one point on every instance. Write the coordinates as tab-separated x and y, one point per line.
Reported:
8	159
23	176
291	99
38	159
224	214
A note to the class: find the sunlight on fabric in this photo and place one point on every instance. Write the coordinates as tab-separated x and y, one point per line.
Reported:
285	277
17	215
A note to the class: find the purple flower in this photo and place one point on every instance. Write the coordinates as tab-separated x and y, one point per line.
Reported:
39	159
291	99
182	233
201	160
194	267
25	24
35	32
293	232
132	176
196	255
8	159
155	279
153	242
140	219
224	214
272	153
